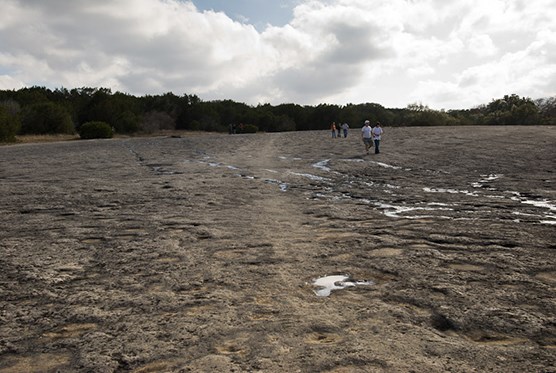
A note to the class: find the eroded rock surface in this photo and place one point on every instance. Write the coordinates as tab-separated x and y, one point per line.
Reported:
199	253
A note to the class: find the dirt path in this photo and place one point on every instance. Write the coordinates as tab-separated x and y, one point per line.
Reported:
198	253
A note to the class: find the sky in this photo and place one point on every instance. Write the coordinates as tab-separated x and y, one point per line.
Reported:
445	54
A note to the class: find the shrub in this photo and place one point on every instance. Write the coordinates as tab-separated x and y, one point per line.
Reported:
95	130
249	128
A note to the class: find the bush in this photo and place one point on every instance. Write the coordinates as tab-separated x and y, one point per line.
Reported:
95	130
249	128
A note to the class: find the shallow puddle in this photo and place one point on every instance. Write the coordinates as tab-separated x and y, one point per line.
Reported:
323	165
325	285
309	176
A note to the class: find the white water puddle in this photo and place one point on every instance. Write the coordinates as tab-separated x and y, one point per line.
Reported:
385	165
486	179
325	285
544	203
441	204
393	211
392	186
323	165
218	164
450	191
284	158
283	186
309	176
353	160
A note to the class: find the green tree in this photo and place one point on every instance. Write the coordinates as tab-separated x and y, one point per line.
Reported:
189	112
32	95
155	121
547	110
9	123
119	110
511	109
355	115
321	116
127	122
421	115
46	118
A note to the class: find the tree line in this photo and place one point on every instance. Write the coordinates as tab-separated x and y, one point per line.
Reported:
39	110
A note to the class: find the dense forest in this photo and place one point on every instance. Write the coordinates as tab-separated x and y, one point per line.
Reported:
39	110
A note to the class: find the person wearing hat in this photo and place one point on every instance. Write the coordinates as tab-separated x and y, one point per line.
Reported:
366	135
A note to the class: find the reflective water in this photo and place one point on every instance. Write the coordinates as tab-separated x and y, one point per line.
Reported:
392	203
325	285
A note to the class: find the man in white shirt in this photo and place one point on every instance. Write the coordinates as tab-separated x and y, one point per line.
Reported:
367	136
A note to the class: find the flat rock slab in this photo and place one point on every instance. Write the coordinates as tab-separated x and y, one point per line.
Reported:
200	253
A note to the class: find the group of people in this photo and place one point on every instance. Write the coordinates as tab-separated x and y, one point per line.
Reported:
371	135
338	128
235	128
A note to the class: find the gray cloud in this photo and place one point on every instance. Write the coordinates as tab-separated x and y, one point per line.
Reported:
331	51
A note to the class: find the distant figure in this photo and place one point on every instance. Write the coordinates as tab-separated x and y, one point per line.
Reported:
333	129
377	135
367	136
339	128
345	127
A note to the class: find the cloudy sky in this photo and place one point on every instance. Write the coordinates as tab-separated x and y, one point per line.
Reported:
447	54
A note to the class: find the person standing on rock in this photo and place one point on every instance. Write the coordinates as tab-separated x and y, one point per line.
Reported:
345	127
367	136
333	129
377	135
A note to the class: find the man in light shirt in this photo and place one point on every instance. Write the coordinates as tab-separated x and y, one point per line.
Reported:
366	135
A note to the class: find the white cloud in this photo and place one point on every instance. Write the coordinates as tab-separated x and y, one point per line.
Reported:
530	72
482	46
445	54
8	82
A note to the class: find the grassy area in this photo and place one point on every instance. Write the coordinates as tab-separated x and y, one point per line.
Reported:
27	139
44	138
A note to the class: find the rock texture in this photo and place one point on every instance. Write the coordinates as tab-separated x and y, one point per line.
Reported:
199	253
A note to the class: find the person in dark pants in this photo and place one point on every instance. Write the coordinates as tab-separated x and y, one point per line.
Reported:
377	136
345	127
